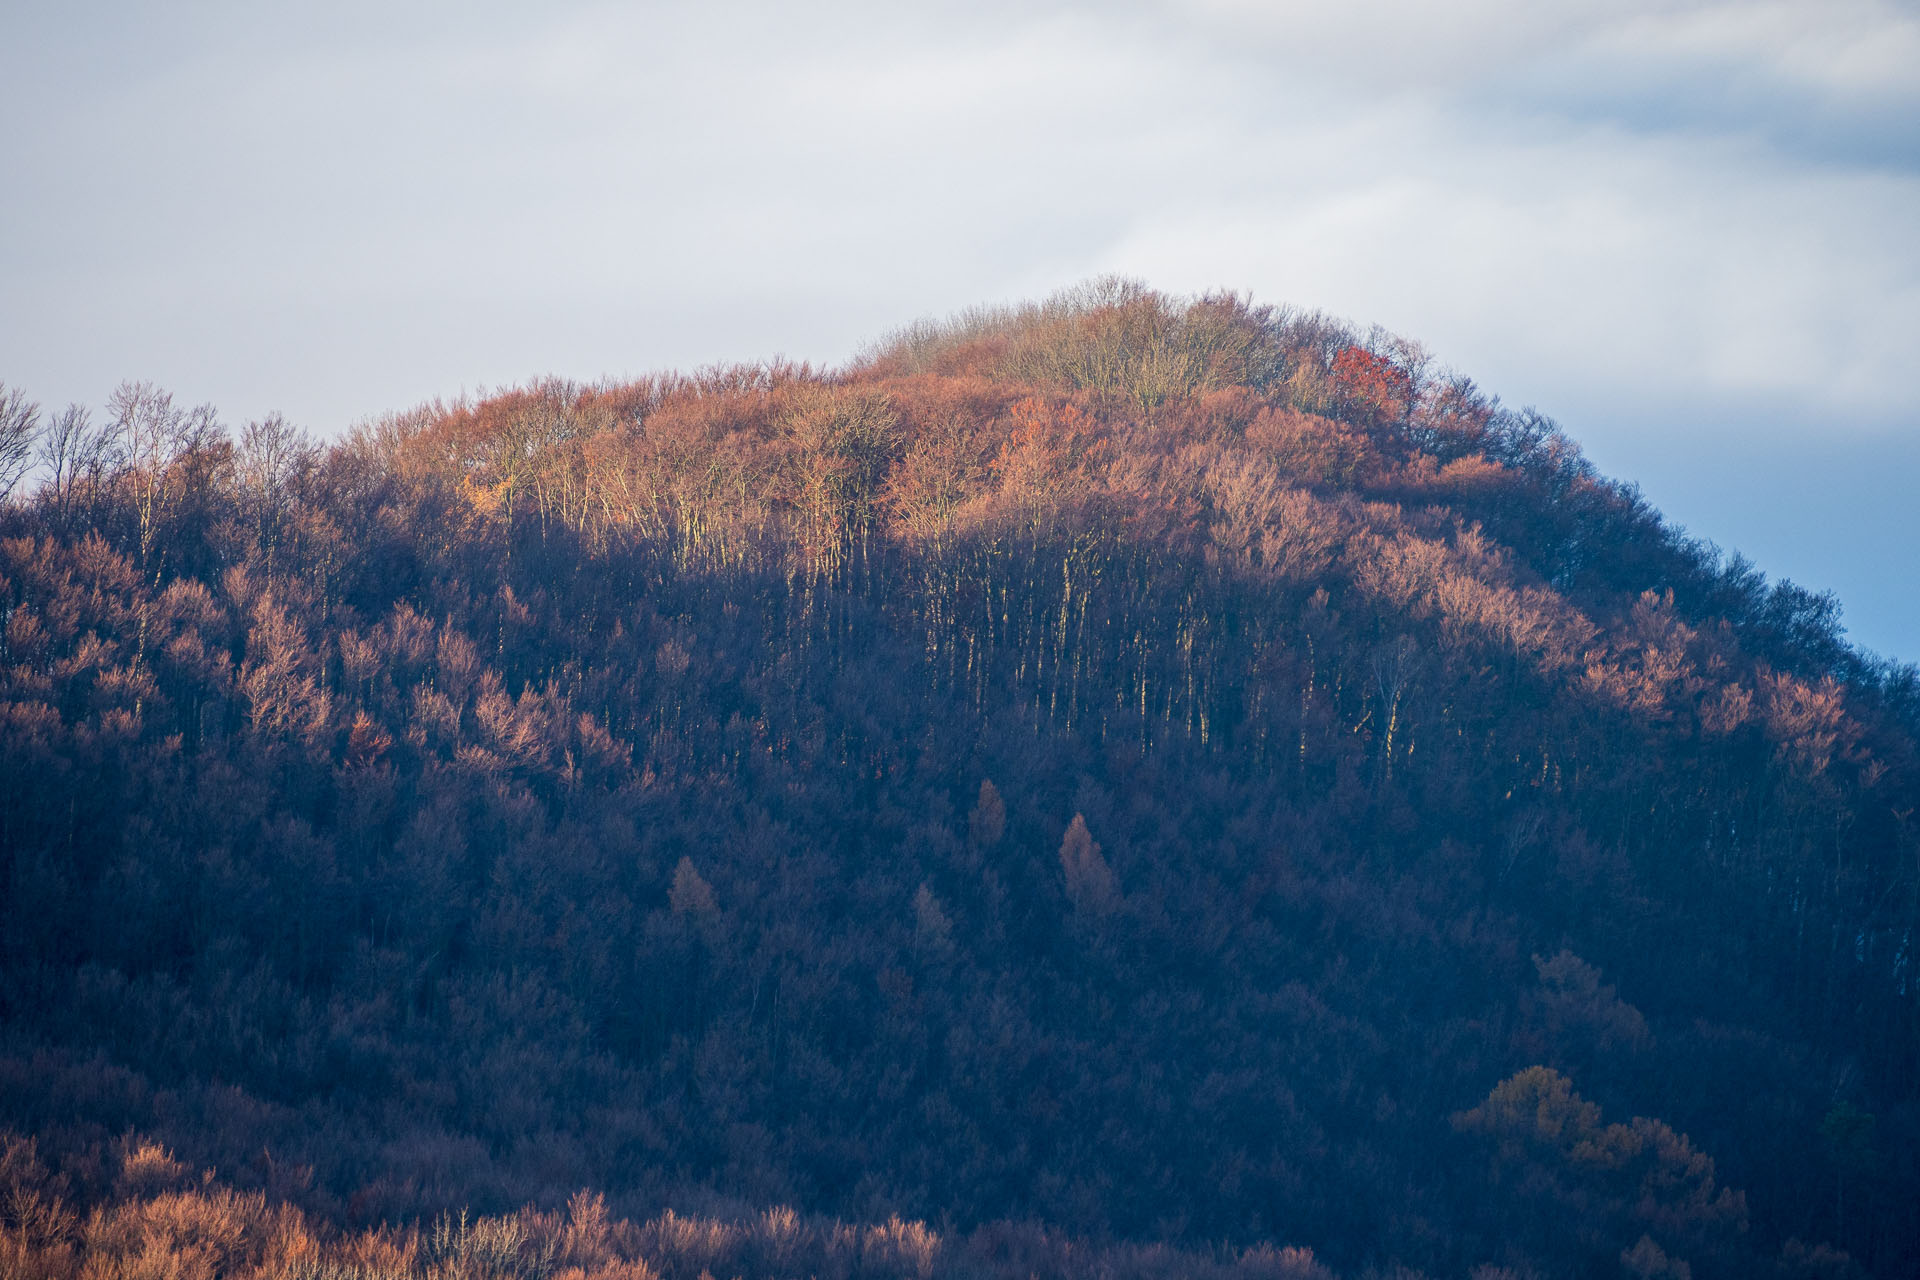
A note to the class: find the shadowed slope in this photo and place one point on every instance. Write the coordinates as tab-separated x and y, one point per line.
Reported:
584	787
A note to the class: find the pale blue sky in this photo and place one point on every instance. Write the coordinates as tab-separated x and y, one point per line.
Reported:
1686	231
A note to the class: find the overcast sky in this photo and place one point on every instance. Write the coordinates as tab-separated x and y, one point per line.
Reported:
1686	231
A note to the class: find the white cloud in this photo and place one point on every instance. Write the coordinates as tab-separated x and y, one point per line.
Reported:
1390	160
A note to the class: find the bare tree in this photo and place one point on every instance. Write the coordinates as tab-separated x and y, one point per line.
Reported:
273	456
19	428
77	455
273	453
150	435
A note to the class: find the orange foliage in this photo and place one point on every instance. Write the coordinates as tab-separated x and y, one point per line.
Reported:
1320	451
1051	452
1369	389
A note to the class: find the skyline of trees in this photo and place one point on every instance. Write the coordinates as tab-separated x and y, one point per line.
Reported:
1170	770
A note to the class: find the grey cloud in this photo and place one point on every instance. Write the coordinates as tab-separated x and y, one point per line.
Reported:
348	209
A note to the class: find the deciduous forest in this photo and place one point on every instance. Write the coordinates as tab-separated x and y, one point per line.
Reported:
1122	786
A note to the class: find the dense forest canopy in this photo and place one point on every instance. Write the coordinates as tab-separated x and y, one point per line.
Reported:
1124	785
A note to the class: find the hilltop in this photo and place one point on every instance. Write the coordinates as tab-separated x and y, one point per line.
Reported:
1121	785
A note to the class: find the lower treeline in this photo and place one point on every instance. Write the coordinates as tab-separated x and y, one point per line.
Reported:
132	1211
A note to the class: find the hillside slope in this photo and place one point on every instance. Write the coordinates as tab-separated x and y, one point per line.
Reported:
1164	770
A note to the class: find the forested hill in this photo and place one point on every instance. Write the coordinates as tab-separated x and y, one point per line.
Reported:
1131	786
